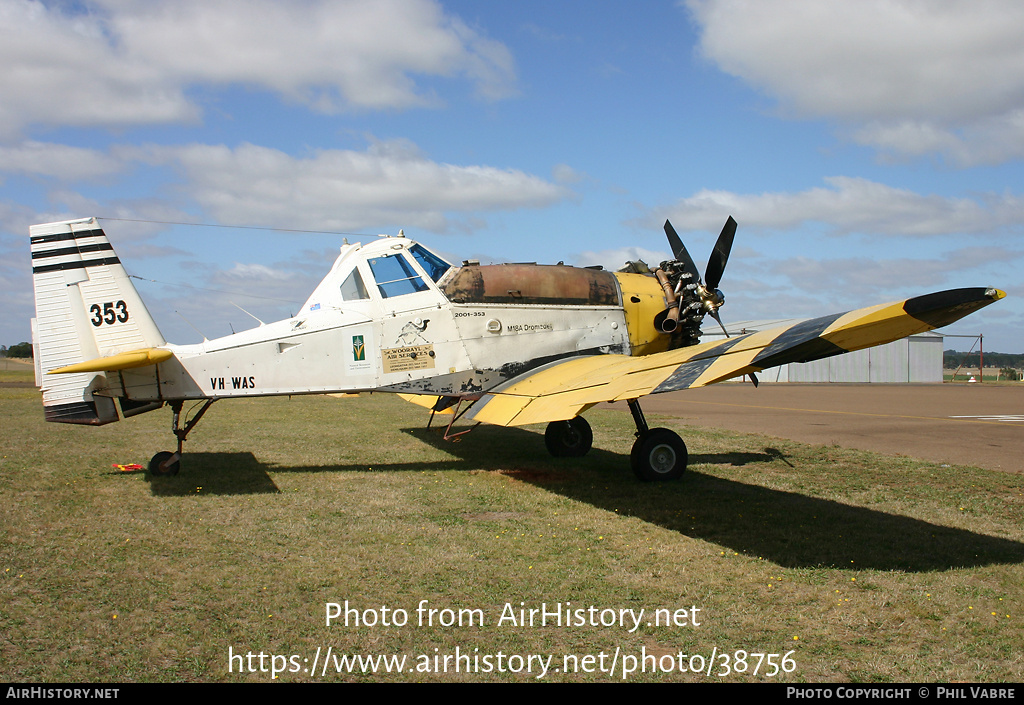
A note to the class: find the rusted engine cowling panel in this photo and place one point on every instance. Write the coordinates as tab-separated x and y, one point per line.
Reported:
532	284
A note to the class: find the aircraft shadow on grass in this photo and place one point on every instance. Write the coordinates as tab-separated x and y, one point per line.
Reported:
216	474
788	528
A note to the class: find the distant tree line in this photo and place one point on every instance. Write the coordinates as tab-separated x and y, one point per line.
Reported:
952	359
19	350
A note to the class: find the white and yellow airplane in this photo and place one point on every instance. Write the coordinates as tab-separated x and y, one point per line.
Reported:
507	344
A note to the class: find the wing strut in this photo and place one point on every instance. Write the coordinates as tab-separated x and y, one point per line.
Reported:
456	415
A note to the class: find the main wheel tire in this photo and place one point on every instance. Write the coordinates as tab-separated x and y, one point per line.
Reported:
569	439
158	460
659	455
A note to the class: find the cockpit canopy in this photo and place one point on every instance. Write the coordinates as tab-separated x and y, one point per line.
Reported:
392	267
396	276
384	269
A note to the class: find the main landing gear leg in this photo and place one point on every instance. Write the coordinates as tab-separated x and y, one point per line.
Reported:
658	453
165	462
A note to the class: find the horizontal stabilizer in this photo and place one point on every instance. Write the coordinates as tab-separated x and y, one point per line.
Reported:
120	361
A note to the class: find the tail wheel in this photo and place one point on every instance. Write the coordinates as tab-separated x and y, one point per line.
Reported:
658	455
154	464
569	439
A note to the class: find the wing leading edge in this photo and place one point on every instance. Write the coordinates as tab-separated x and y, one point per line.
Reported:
566	388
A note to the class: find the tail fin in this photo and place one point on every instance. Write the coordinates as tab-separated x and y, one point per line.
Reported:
86	308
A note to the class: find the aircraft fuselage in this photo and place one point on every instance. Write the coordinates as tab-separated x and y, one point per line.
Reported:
473	328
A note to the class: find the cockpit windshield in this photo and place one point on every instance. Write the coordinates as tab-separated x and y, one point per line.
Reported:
395	276
434	266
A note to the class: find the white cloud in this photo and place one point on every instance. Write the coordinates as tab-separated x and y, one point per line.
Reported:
57	160
990	140
120	62
805	287
61	69
615	259
867	277
565	174
847	204
15	272
344	190
15	218
915	76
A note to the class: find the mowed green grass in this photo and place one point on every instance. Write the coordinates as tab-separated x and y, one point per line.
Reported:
859	567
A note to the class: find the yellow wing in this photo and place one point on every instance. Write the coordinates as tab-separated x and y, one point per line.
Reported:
437	404
566	388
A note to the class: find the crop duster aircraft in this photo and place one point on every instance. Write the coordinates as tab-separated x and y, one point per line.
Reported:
506	344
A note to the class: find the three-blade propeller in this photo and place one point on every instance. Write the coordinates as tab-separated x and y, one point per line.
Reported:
711	299
707	289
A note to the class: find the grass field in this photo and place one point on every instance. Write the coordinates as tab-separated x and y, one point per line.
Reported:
851	566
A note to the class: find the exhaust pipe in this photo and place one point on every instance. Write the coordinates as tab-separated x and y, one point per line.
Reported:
671	319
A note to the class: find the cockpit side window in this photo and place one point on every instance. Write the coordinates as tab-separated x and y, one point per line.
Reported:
353	289
434	266
395	276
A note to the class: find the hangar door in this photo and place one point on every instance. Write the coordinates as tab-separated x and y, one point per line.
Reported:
914	359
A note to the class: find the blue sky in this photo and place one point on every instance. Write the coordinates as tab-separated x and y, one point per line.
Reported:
869	150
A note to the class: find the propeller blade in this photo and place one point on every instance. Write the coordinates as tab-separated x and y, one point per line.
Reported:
674	240
680	253
720	255
714	314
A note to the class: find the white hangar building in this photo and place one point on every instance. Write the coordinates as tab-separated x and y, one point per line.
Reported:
917	358
914	359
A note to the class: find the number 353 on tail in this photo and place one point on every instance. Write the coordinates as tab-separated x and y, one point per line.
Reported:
508	344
